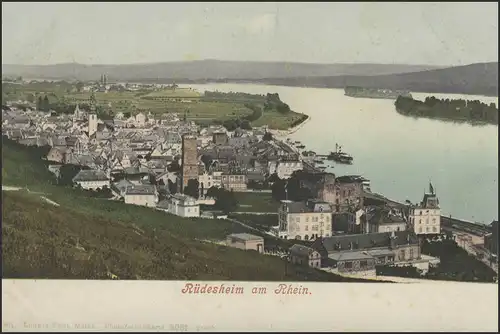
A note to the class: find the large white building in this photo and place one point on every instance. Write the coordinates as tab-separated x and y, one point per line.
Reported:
145	195
183	205
91	179
304	220
285	168
208	180
425	218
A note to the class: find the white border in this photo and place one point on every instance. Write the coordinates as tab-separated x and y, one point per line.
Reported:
53	305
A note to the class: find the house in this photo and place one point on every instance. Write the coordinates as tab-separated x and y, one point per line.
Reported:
425	218
303	255
378	220
361	252
208	180
284	168
234	182
144	195
121	186
183	206
220	138
245	241
303	220
91	179
56	155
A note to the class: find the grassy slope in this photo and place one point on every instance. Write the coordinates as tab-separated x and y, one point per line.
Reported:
256	202
131	242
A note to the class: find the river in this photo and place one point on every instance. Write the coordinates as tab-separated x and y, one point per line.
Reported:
400	155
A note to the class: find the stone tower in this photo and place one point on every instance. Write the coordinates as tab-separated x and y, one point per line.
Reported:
92	116
189	168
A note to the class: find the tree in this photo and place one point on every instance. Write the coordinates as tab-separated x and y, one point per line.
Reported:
30	98
192	188
213	192
267	136
207	161
46	104
174	166
39	103
226	201
172	187
79	86
245	125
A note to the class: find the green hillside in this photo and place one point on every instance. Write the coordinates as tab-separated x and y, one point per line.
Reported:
93	238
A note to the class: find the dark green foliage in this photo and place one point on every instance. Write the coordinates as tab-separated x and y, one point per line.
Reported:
294	190
399	271
192	188
68	172
174	166
225	200
454	110
267	136
455	263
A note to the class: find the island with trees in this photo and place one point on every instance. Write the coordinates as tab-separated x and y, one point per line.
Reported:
457	110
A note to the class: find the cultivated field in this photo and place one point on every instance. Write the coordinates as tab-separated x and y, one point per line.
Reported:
197	107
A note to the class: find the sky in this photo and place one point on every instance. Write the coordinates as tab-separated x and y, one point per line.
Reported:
321	32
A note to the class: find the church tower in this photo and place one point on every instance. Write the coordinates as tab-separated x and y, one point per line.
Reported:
92	116
77	115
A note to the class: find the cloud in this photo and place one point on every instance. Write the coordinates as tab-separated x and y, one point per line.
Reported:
260	24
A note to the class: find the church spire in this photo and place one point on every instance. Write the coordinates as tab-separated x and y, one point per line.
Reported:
92	103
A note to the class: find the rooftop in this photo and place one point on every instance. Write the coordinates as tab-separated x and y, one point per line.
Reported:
140	190
349	256
245	236
365	241
301	250
90	175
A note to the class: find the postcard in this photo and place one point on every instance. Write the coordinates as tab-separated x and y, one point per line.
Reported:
248	166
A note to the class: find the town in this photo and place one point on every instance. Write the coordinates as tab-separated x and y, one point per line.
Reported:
169	163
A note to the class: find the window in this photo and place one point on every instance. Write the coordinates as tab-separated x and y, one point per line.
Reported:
434	229
307	219
434	221
363	264
297	219
411	253
322	216
427	229
327	218
306	228
348	265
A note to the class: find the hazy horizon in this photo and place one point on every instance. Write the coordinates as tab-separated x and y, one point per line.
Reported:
435	34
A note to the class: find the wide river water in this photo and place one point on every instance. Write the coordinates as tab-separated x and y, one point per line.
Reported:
400	155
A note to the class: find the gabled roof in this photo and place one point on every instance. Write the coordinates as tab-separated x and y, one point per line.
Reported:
90	175
364	241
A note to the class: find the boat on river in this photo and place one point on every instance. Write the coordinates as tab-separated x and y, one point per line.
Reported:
339	156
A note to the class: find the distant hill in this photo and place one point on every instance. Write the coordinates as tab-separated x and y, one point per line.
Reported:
203	69
480	79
